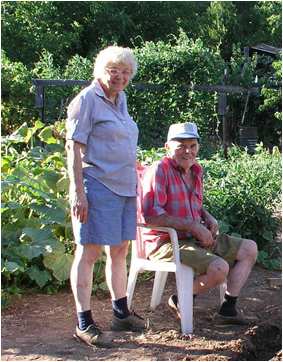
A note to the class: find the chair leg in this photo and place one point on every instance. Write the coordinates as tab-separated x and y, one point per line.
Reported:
158	288
132	279
185	280
222	290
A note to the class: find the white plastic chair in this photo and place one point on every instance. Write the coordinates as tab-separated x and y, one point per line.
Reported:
184	274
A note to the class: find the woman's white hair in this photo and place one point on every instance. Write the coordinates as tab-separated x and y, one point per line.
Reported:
116	55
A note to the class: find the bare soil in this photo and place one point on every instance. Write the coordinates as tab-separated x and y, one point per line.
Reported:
40	327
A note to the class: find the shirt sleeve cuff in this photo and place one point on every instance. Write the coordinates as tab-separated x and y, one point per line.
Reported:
76	136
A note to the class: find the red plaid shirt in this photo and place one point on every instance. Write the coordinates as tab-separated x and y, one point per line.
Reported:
165	190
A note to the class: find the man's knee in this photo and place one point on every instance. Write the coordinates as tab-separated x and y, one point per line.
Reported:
248	250
218	269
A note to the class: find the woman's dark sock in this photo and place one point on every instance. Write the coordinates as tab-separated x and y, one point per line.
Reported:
228	307
85	319
120	308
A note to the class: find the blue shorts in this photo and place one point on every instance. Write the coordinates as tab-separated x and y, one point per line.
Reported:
111	218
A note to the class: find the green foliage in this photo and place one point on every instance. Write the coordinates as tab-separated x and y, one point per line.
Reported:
220	24
171	66
68	28
268	262
199	35
29	27
18	98
36	229
271	15
243	192
17	102
269	116
147	157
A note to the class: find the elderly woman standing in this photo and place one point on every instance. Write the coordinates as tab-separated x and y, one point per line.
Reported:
101	154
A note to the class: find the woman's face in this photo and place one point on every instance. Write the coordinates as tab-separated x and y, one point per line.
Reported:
116	77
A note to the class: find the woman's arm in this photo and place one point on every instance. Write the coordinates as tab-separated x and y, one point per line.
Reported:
77	197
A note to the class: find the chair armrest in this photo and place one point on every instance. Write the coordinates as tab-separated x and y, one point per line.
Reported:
172	234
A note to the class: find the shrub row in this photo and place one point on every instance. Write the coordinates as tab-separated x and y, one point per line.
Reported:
173	66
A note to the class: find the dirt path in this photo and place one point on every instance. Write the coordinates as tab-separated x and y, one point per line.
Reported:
40	327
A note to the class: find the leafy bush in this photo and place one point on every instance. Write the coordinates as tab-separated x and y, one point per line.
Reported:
172	65
36	229
17	102
18	94
244	191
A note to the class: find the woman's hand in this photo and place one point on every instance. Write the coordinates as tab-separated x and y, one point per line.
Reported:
79	206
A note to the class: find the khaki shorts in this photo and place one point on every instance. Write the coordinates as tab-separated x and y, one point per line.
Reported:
199	258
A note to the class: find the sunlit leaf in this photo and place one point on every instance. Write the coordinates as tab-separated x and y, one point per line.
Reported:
60	264
11	267
46	135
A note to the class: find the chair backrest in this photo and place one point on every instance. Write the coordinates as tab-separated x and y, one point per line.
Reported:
138	248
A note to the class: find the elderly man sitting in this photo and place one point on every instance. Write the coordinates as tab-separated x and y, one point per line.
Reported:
172	197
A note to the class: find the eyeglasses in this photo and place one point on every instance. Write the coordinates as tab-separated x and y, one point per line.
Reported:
116	71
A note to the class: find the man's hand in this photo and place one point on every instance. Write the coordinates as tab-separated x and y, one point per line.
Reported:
203	235
79	205
212	225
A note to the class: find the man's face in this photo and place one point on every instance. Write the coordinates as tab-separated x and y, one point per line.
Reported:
183	151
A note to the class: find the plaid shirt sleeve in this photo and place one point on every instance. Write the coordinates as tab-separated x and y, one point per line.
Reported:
154	191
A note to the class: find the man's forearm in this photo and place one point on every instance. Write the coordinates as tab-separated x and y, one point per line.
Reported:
198	231
205	214
177	223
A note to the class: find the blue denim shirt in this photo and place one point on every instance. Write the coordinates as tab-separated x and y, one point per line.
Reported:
110	136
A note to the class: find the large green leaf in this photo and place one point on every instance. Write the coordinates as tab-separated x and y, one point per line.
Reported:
43	242
41	277
46	135
267	235
38	234
56	158
11	267
50	245
50	177
63	184
51	214
10	205
37	125
30	251
60	264
19	135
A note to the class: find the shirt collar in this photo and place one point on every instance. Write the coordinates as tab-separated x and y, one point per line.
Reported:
196	167
100	92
